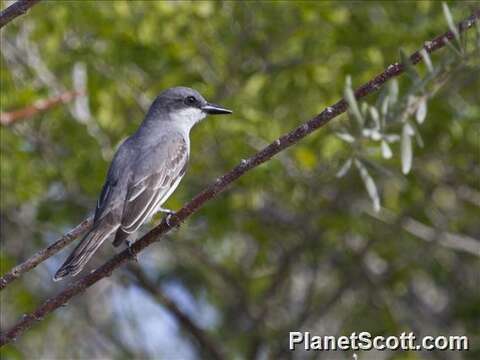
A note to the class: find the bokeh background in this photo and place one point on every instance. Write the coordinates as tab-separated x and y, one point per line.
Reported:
291	246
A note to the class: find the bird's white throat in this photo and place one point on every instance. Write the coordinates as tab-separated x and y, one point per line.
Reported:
186	118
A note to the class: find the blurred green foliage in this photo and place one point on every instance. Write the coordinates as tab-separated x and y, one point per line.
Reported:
289	247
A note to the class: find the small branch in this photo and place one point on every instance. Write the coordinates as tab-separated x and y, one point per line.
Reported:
7	118
221	185
206	344
15	10
448	239
414	227
44	254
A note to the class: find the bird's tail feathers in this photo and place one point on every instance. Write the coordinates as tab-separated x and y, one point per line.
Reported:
83	252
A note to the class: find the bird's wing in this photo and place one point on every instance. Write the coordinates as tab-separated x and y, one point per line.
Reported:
156	177
103	200
114	189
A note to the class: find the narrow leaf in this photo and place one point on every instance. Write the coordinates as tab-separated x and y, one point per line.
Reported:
406	148
393	91
375	116
345	137
451	24
364	109
375	135
344	169
414	131
452	47
421	112
369	185
352	102
386	151
409	129
385	103
427	60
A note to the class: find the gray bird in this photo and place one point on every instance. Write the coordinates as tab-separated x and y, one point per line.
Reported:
145	171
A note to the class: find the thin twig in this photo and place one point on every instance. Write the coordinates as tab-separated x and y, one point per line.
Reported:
221	185
45	253
15	10
416	228
206	344
7	118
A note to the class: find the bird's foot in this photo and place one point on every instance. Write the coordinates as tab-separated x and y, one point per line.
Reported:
132	254
168	219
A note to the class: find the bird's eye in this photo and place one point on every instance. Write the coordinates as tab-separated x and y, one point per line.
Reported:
190	100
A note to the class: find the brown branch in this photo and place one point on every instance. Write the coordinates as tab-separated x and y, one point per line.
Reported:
221	185
206	344
44	254
15	10
7	118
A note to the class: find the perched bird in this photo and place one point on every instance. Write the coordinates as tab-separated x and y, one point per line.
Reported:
145	171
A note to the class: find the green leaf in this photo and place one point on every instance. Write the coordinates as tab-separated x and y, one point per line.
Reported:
426	59
393	91
352	102
345	137
384	110
407	132
449	44
421	112
451	24
369	185
344	169
386	150
375	116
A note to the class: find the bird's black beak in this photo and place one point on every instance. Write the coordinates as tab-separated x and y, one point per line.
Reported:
213	109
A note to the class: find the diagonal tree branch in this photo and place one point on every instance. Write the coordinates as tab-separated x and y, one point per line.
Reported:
206	344
15	10
222	183
44	254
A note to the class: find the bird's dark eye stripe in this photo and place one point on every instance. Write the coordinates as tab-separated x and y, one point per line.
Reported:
190	100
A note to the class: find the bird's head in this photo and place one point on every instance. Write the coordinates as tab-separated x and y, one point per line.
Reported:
184	106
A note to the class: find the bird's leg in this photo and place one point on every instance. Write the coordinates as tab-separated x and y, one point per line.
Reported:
168	211
129	246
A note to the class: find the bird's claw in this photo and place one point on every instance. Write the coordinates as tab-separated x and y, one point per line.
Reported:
132	254
168	218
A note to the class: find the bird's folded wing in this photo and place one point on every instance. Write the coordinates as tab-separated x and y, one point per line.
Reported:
157	177
103	200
